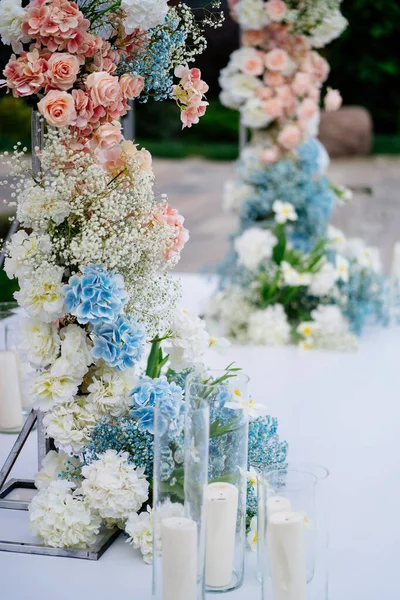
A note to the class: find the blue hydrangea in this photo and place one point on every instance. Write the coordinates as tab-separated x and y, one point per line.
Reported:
168	397
119	344
95	296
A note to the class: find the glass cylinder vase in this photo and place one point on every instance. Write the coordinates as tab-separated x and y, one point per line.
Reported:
179	485
292	534
227	396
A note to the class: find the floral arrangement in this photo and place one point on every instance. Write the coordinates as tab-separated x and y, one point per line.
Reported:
104	335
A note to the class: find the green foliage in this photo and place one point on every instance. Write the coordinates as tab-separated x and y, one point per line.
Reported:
7	287
15	122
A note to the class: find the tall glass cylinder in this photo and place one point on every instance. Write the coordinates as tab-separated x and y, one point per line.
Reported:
292	534
179	485
227	395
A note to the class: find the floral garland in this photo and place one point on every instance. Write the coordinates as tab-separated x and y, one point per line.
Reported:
289	276
104	336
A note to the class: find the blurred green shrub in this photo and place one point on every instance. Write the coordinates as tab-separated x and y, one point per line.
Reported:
15	122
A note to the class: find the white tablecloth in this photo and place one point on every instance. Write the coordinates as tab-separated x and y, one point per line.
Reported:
339	410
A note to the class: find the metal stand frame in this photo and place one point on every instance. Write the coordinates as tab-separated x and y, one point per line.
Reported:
105	538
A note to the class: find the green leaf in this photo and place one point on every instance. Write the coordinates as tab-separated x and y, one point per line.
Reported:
279	249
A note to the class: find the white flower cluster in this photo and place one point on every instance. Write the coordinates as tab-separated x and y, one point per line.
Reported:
254	246
69	423
328	330
269	326
188	342
57	465
62	517
143	14
11	18
114	486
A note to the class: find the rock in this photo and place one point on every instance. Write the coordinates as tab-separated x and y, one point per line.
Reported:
347	132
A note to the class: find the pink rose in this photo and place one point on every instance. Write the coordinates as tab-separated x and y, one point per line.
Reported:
315	94
131	86
307	109
285	94
277	60
58	108
107	135
62	71
301	83
273	108
111	159
270	155
333	100
276	9
290	137
104	88
83	108
264	93
252	37
179	235
254	65
320	67
273	79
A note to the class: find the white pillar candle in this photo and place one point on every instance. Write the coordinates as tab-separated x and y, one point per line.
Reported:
287	556
277	504
10	393
221	518
395	270
179	558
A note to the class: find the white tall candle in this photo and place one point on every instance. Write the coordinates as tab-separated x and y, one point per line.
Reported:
10	393
277	504
179	558
221	518
395	270
287	556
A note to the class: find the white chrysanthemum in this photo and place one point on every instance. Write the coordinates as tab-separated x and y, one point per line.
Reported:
70	424
63	518
253	114
38	342
41	294
329	29
76	355
269	326
25	252
189	340
143	14
284	211
11	18
114	486
110	389
254	246
36	206
57	465
292	277
323	281
251	14
56	385
234	194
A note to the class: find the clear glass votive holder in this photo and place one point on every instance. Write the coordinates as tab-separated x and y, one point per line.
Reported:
227	475
292	533
179	486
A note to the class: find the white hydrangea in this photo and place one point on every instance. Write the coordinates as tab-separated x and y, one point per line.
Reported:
269	326
25	252
114	486
41	294
56	385
251	14
143	14
70	424
294	278
323	281
254	246
331	330
329	29
63	518
253	114
234	194
76	354
37	205
38	342
189	340
232	309
56	465
109	390
139	528
240	86
11	18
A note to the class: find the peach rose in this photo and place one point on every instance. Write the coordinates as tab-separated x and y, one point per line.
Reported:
320	67
285	94
254	65
277	60
276	9
58	108
273	79
290	137
104	88
174	221
269	155
111	159
107	135
273	108
83	107
301	83
142	157
252	37
131	86
333	100
264	93
62	71
307	109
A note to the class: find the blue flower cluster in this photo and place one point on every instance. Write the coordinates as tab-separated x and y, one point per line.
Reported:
167	396
119	344
96	296
265	448
155	62
299	181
